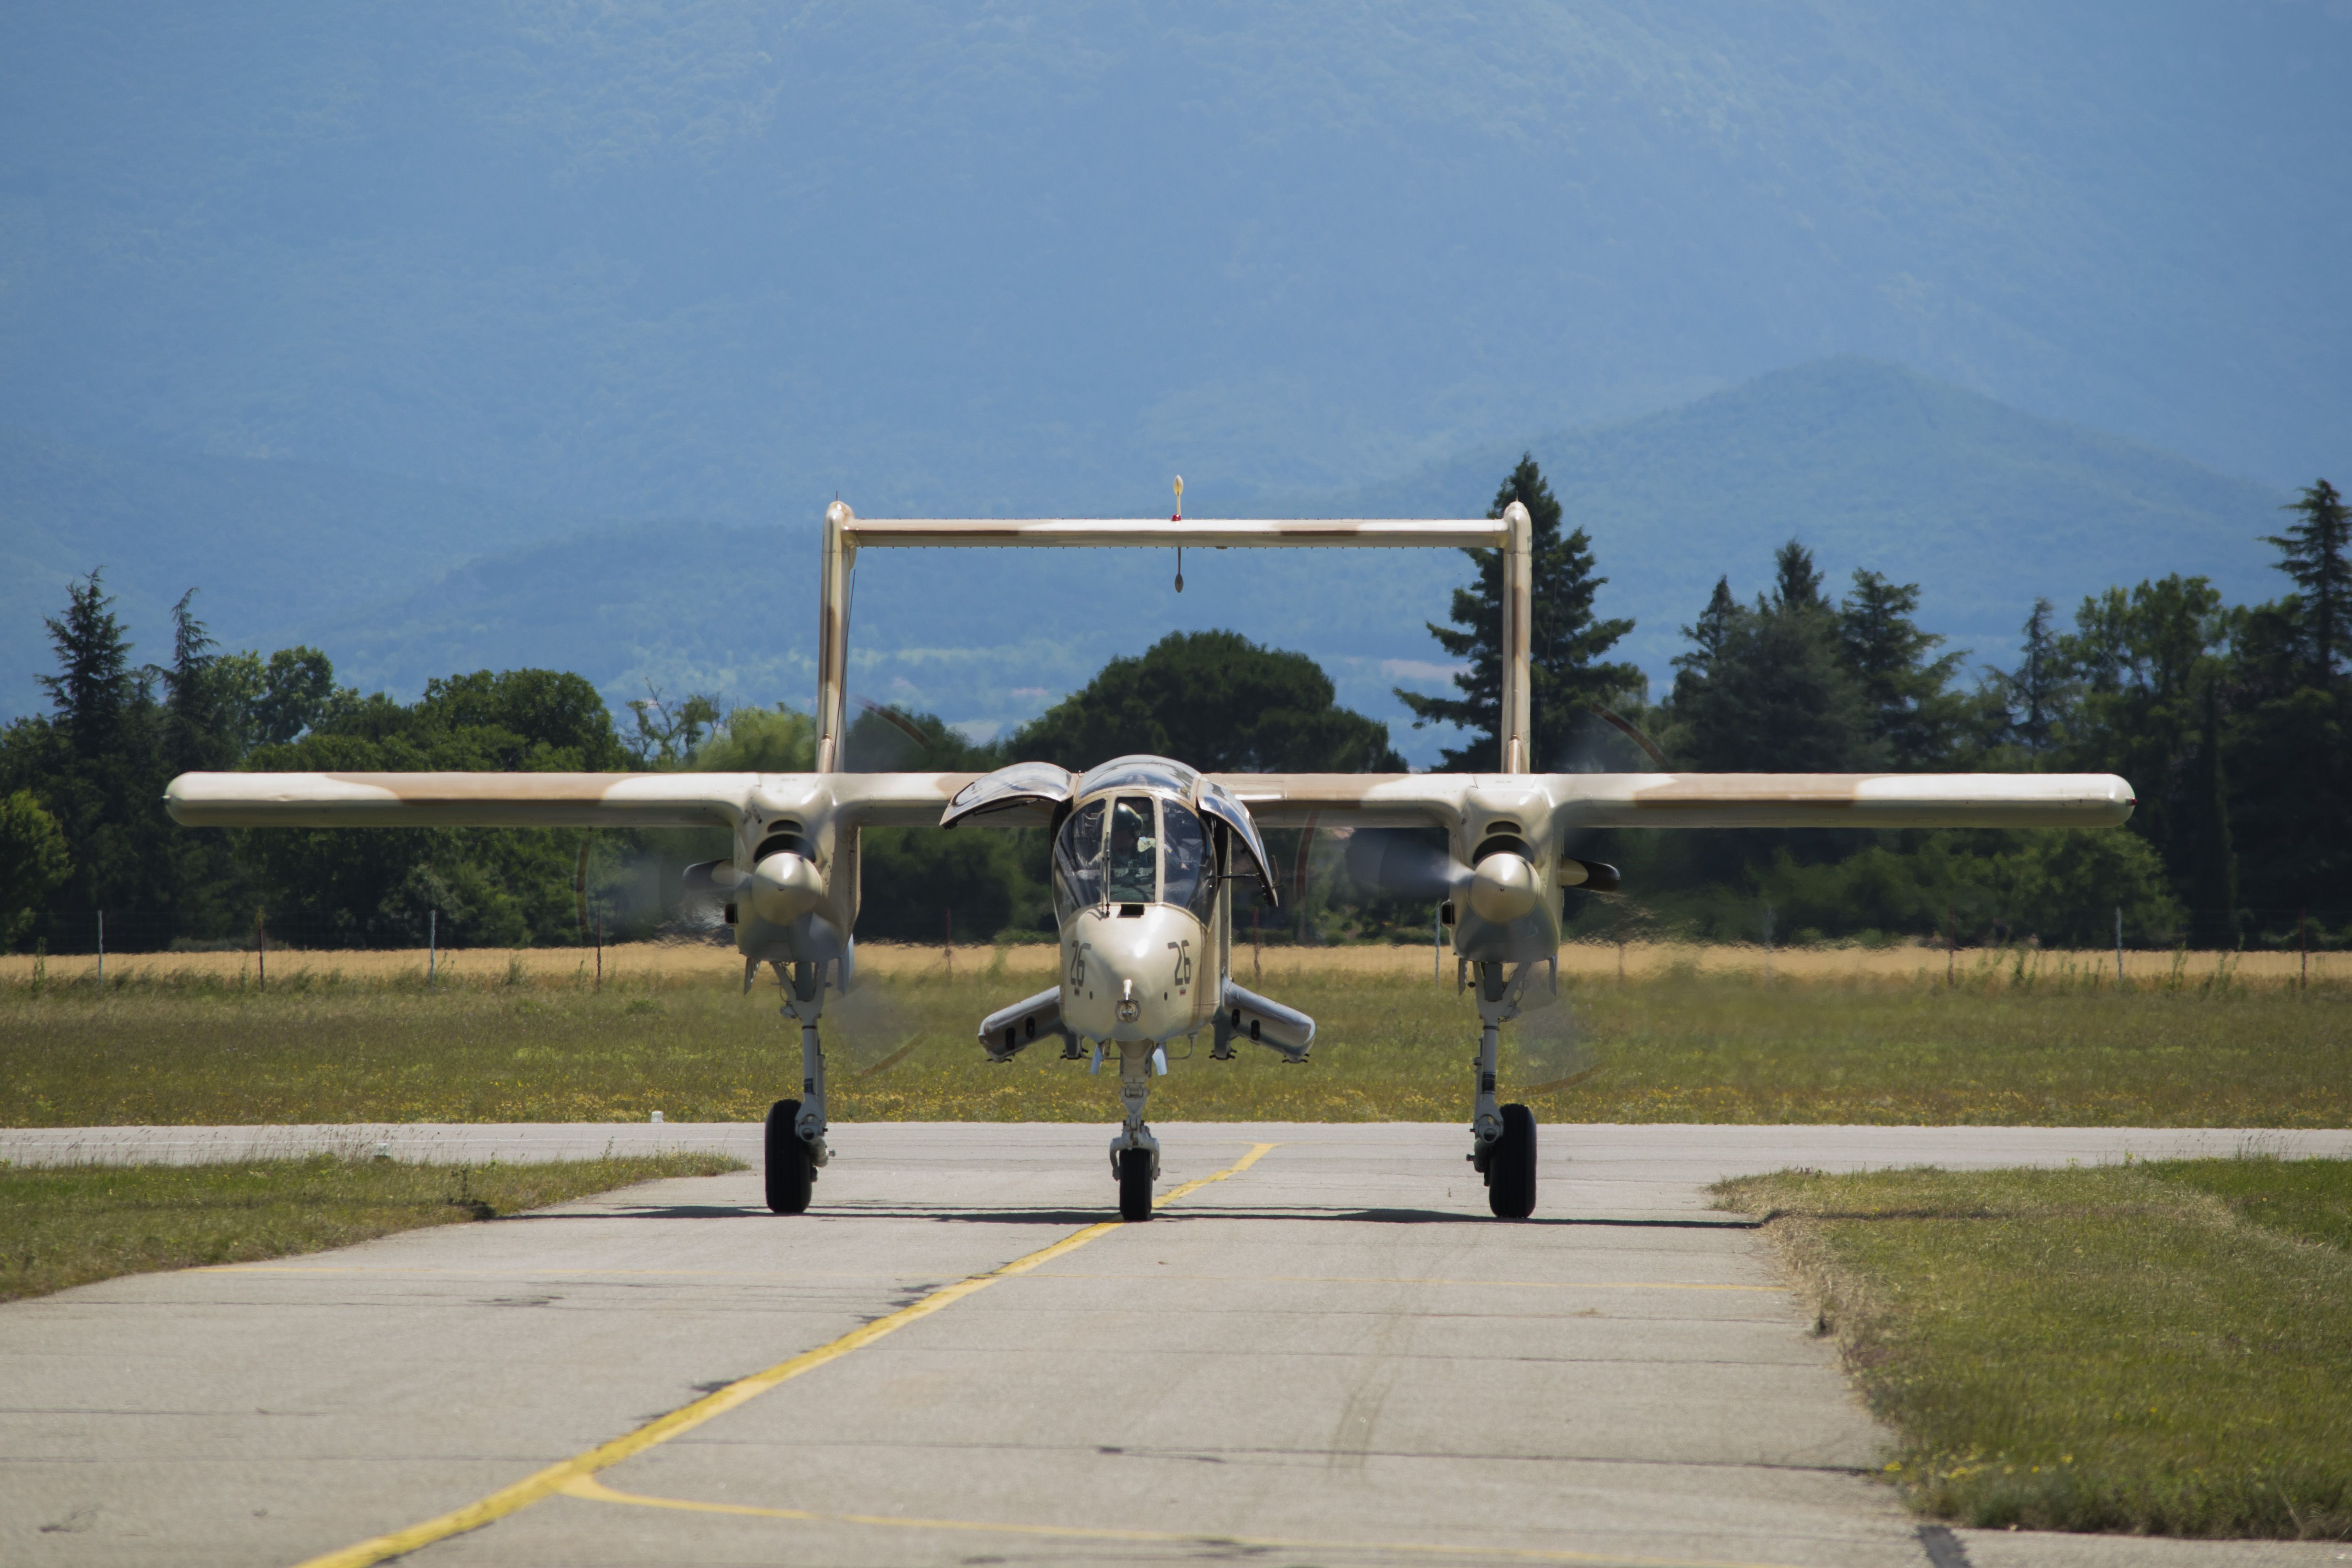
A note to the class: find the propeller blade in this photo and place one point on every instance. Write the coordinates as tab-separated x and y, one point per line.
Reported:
1403	863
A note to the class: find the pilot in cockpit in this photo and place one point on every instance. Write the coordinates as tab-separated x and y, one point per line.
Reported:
1134	858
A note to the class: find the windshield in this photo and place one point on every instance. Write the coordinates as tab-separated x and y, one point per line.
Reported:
1134	851
1189	881
1077	861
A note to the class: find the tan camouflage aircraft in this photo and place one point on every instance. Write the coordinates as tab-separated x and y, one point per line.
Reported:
1149	854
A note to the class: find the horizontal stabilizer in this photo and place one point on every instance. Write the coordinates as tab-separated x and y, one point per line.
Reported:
1246	1015
1006	1031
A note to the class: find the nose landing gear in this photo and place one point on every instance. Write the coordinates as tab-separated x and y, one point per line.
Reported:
1511	1165
1502	1138
795	1143
1134	1151
790	1172
1135	1169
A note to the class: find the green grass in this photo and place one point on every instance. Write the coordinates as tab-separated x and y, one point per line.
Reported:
2164	1347
1676	1049
2311	1199
71	1226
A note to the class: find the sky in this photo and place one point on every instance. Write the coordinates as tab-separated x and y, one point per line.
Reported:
719	262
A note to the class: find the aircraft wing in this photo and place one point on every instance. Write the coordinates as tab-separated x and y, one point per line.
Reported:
1690	800
552	800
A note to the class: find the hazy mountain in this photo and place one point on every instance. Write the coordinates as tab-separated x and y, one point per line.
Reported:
1871	465
270	545
719	259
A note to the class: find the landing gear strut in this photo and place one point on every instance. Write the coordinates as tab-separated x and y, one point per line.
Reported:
1134	1151
1502	1138
795	1132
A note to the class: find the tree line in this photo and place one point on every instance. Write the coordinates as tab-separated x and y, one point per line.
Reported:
83	835
2228	721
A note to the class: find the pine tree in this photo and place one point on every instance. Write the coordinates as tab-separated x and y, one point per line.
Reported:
1565	640
2035	691
93	685
1694	668
1913	714
2313	550
1767	688
1796	583
197	731
103	771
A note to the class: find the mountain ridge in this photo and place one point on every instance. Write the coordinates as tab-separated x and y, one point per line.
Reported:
1869	464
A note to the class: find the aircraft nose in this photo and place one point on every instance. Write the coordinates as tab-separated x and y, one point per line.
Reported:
784	887
1134	985
1503	889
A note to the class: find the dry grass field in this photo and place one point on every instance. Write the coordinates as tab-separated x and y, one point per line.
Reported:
1688	1035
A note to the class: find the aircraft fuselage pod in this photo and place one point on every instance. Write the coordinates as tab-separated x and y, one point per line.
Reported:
1140	895
1147	855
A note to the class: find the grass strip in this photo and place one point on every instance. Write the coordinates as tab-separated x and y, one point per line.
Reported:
1739	1048
2162	1348
61	1226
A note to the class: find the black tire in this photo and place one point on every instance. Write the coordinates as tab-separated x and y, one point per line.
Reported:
1511	1166
790	1172
1135	1185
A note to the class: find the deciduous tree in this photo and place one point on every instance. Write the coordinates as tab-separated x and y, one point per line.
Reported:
1214	700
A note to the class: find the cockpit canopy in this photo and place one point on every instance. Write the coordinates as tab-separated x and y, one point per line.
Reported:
1140	773
1133	850
1148	830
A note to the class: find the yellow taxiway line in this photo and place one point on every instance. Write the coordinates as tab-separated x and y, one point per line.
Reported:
555	1477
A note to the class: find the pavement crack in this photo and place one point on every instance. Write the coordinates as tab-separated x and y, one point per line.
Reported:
74	1523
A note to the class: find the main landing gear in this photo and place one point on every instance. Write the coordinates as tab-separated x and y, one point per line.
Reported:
795	1132
1502	1138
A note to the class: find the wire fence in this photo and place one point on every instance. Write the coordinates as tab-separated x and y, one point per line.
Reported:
2263	928
111	931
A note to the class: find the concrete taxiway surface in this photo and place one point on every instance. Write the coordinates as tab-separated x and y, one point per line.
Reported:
1329	1355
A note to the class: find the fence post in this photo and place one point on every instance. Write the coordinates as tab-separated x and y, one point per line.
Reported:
101	950
260	953
946	942
432	942
1437	945
1951	947
600	947
2119	944
2302	941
